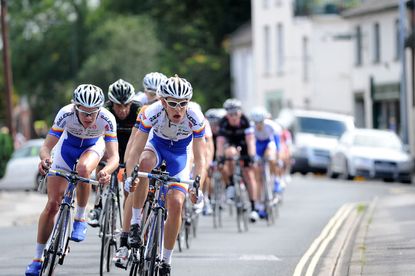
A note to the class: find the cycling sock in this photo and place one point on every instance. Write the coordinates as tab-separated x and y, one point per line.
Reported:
136	216
80	213
167	255
39	250
253	205
124	239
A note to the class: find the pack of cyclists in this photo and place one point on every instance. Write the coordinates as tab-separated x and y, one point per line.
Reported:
146	128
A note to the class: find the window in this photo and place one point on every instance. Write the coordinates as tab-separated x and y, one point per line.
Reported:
358	46
280	48
376	43
305	60
267	61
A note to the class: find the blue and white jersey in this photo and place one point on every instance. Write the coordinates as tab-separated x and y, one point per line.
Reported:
175	135
141	97
67	124
268	132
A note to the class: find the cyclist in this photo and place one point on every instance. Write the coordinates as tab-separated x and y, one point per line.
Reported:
213	117
174	125
235	131
151	82
125	110
267	137
82	130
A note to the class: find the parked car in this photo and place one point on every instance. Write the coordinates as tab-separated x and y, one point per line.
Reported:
372	154
315	135
22	169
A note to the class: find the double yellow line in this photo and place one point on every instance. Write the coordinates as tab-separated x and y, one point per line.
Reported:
319	245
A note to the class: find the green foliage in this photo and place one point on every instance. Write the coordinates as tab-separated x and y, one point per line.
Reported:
122	47
6	150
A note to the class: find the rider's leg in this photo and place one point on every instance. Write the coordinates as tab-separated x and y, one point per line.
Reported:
175	199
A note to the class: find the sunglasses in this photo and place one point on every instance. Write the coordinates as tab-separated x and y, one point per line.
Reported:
86	113
233	114
174	104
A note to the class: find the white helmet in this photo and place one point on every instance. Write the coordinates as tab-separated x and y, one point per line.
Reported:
152	81
232	105
259	114
121	92
215	114
177	88
88	95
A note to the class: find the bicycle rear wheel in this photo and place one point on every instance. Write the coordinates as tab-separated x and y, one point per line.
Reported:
217	201
51	255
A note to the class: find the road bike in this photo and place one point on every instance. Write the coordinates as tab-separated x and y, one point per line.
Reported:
58	244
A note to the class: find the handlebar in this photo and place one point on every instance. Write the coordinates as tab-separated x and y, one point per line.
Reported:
72	177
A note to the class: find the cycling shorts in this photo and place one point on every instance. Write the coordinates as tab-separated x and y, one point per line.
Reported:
66	153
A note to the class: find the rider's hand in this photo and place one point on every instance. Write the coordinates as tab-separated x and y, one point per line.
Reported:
130	185
195	199
103	177
44	166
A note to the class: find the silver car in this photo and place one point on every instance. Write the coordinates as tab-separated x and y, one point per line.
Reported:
371	153
22	169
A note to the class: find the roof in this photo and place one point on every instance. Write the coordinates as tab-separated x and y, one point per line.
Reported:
242	35
370	7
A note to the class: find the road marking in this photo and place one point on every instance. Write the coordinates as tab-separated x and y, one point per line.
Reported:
324	244
314	246
227	257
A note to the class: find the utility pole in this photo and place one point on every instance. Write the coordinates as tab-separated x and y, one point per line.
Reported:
403	102
8	79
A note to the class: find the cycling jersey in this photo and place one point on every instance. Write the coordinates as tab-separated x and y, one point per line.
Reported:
267	137
235	136
74	139
170	141
141	98
124	126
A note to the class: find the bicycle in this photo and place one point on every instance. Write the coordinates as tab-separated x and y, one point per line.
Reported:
188	227
270	201
109	232
241	199
153	230
58	245
217	197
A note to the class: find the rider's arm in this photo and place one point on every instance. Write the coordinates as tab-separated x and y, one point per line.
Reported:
137	147
250	141
113	157
220	144
45	151
210	148
199	151
129	143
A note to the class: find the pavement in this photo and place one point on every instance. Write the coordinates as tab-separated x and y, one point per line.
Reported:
379	239
385	240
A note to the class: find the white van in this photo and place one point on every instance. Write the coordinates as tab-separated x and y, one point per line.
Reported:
315	135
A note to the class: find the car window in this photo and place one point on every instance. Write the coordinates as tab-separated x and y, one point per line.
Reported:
378	141
320	126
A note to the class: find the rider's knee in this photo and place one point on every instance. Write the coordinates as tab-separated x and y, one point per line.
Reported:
83	170
52	207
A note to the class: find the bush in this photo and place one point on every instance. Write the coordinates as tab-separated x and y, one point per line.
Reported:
6	150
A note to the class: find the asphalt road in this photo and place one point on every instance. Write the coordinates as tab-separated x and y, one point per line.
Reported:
310	202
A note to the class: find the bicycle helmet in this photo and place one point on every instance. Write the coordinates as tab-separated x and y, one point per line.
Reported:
88	95
121	92
152	81
177	88
232	105
259	114
215	114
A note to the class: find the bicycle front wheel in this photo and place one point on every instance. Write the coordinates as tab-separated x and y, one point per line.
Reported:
51	255
153	249
107	243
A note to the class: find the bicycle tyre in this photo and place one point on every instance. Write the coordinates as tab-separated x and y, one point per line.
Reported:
155	244
104	263
55	244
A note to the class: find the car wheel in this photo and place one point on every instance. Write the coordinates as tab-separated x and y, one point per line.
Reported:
330	172
346	175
